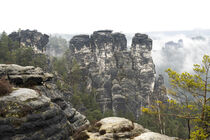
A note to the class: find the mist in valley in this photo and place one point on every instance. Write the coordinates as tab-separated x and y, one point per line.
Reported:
177	50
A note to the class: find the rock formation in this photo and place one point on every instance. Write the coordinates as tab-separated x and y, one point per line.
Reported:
119	128
25	114
28	75
28	38
176	45
124	79
38	113
160	90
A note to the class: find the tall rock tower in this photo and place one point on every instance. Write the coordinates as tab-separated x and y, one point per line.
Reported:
123	79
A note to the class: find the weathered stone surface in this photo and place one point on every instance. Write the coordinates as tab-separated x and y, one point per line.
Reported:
78	42
34	39
142	39
153	136
160	92
32	108
25	114
78	122
119	128
28	75
124	79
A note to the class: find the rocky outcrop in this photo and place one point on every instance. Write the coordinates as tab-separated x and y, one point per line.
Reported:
119	128
160	92
124	79
77	121
28	75
25	114
28	38
173	44
39	113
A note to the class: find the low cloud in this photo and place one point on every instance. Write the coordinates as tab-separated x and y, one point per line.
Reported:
179	52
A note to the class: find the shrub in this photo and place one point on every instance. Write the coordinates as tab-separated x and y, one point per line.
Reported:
5	87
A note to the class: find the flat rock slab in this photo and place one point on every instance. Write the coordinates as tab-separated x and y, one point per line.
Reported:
21	94
153	136
20	75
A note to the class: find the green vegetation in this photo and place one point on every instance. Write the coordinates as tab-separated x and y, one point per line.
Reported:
11	53
71	78
56	46
185	117
192	103
156	118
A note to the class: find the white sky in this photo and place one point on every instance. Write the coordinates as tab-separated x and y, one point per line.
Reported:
85	16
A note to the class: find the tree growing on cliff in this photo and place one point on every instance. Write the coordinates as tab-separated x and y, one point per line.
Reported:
6	46
10	53
192	100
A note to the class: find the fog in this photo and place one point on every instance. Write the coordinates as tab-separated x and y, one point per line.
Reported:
180	58
177	50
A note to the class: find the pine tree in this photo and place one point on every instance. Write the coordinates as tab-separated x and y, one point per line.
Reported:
190	100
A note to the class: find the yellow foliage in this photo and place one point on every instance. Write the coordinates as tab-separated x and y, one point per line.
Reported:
145	110
159	102
198	134
171	101
191	107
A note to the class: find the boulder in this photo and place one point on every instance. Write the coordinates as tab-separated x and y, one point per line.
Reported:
119	128
153	136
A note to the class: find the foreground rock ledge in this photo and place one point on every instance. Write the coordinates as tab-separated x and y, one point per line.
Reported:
41	114
119	128
26	114
24	76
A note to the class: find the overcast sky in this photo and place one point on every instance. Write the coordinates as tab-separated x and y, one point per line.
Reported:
85	16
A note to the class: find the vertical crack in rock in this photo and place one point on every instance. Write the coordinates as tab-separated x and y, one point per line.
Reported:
124	79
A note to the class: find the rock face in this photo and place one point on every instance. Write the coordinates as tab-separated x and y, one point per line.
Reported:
28	75
124	79
119	128
25	114
34	39
77	121
160	92
173	44
38	113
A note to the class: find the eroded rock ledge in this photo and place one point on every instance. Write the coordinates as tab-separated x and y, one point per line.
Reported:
39	113
28	75
25	114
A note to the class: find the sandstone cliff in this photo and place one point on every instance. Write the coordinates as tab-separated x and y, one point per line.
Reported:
40	112
28	38
124	78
